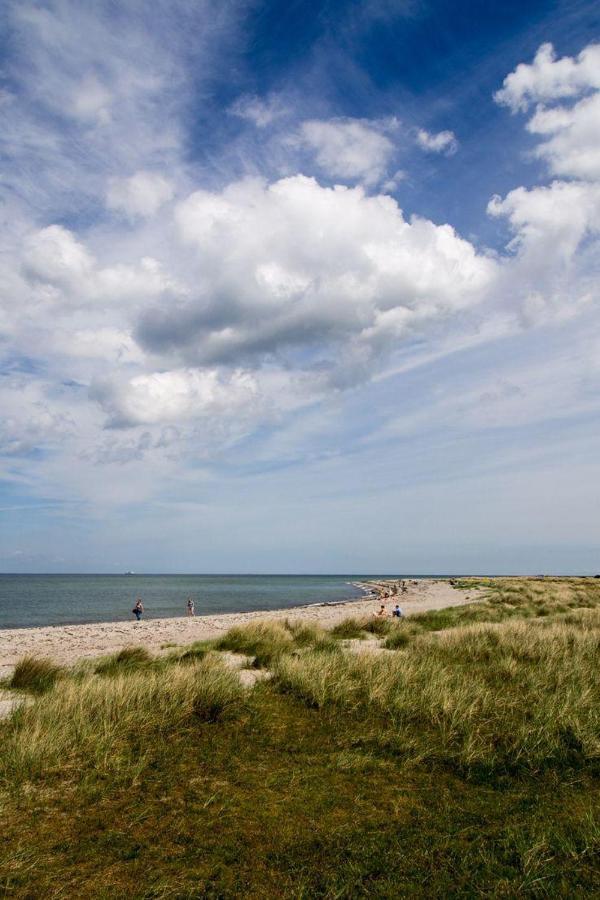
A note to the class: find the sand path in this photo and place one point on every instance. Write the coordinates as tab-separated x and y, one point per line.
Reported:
68	643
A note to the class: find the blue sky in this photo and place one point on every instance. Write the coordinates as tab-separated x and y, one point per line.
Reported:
300	287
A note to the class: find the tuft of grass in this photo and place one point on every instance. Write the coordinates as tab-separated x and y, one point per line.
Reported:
127	659
399	637
265	641
378	625
348	629
35	675
193	654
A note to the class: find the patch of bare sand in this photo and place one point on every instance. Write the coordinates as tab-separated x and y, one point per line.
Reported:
66	644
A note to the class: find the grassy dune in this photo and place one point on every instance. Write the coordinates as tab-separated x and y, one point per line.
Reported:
460	760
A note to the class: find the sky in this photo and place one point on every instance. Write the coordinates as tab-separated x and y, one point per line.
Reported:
300	287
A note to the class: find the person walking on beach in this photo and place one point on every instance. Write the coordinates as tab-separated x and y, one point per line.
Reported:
138	609
190	607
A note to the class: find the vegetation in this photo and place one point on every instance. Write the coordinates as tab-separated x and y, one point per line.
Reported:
35	675
463	763
128	659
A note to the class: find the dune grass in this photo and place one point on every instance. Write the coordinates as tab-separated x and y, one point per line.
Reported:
464	763
35	675
483	698
110	723
267	641
127	659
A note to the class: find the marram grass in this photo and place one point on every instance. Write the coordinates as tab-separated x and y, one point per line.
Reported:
106	722
482	697
464	762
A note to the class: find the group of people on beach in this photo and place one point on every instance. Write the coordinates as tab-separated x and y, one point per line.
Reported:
138	609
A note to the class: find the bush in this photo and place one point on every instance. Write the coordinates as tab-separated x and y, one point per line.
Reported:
35	675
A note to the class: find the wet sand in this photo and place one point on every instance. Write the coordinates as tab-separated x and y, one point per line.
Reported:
68	643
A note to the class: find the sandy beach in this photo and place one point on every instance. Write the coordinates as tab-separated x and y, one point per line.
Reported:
68	643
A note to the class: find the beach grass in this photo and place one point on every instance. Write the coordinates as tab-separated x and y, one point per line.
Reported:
35	675
464	762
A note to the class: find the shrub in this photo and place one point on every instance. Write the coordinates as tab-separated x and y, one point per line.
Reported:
35	675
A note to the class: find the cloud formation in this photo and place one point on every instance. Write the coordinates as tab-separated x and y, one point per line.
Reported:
163	307
548	78
350	149
293	267
556	227
442	142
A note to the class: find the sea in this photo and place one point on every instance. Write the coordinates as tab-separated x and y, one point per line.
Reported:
34	600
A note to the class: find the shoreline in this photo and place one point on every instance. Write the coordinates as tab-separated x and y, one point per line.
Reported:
66	644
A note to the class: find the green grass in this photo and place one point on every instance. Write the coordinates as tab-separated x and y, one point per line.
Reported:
466	763
488	700
267	641
349	629
35	675
127	659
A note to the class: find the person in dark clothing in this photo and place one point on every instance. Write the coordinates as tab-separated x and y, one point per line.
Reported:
138	609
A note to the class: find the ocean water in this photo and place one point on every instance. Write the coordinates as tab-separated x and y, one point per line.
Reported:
29	600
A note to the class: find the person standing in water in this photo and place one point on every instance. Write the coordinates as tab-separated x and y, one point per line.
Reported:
191	611
138	609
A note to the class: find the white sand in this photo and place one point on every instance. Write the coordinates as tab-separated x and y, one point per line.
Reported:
69	643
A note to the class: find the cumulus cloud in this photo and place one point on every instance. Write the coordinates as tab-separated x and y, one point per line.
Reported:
62	271
349	148
293	266
556	227
572	138
142	194
548	78
442	142
173	396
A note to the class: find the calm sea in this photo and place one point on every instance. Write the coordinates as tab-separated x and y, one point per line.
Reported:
28	600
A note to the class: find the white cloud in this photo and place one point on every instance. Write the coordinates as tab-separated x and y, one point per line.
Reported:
556	227
92	101
572	138
164	397
142	194
442	142
54	256
62	271
548	78
261	111
293	265
349	148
